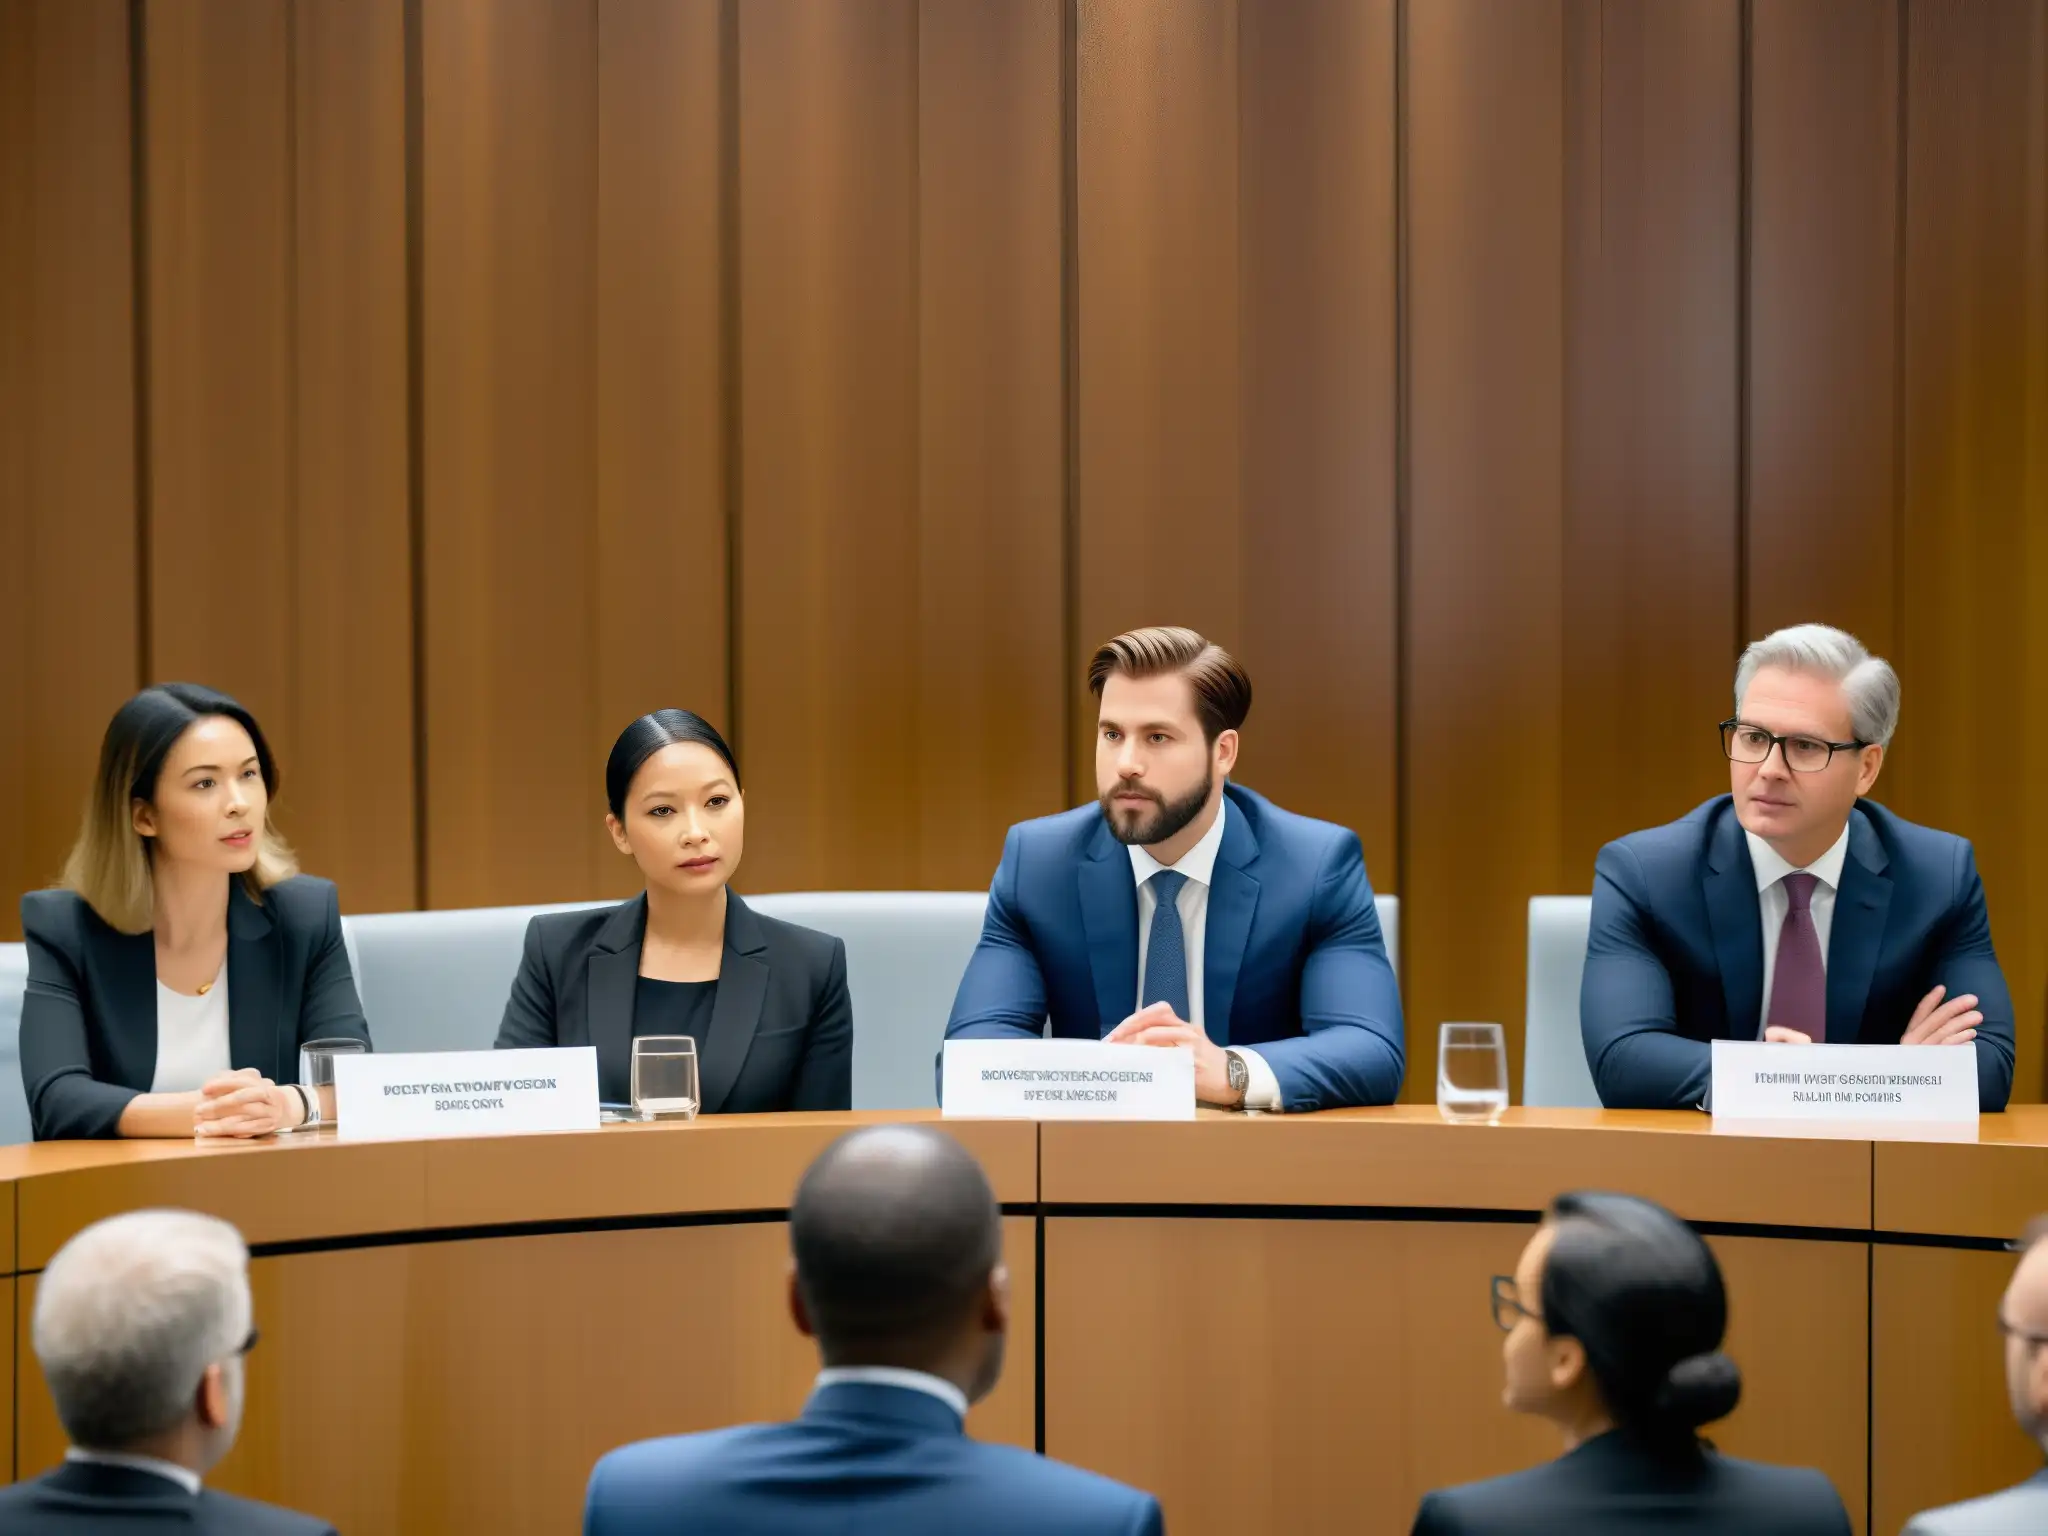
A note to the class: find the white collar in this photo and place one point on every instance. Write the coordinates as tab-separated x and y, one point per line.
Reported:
184	1477
893	1376
1771	866
1198	863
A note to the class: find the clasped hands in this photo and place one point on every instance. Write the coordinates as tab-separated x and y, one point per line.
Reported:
1157	1024
1934	1022
245	1103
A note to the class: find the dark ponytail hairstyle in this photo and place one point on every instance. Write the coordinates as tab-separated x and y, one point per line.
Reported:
1642	1293
647	736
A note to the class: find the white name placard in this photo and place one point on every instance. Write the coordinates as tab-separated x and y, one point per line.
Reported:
1830	1084
1068	1080
465	1093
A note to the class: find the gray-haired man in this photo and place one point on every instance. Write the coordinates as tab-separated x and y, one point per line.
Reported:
141	1324
1790	909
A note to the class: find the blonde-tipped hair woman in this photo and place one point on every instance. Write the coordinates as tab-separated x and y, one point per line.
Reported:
173	978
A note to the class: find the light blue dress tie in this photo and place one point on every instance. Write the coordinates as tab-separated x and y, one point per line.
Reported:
1166	952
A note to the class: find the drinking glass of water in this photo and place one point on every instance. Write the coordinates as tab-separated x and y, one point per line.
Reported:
1471	1073
316	1071
665	1077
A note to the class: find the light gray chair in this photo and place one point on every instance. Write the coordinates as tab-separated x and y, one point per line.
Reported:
14	1123
905	952
437	981
1389	908
1554	1071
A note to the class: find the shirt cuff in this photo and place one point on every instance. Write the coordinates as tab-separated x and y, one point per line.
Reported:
1263	1091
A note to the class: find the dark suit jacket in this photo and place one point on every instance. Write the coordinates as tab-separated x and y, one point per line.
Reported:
84	1500
781	1030
88	1021
862	1461
1292	960
1675	958
1612	1485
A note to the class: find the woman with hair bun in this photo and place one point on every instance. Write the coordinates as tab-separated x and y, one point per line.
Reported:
1614	1320
765	1001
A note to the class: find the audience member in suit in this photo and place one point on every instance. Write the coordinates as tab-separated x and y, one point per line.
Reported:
173	979
898	1274
1184	910
765	1001
142	1324
2023	1319
1786	910
1614	1319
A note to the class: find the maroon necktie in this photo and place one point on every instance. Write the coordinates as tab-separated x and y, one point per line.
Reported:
1799	982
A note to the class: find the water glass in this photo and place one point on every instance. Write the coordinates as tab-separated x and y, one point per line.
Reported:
316	1071
665	1077
1471	1073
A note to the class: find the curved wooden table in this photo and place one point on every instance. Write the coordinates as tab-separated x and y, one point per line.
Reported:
1275	1323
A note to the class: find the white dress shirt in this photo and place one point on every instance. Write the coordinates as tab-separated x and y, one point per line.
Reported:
184	1477
893	1376
191	1037
1199	865
1772	903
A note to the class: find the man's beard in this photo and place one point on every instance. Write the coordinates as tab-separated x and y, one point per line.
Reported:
1157	822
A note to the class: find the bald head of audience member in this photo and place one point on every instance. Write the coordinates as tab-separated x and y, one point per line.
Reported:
896	1240
141	1324
2023	1316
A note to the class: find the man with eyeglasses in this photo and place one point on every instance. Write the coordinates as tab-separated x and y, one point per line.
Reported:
1790	909
2023	1320
142	1323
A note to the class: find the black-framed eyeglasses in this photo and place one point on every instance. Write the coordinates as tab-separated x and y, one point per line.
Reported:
249	1343
1742	742
2033	1340
1507	1304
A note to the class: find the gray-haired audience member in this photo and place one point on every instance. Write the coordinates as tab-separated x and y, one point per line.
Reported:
142	1322
2023	1319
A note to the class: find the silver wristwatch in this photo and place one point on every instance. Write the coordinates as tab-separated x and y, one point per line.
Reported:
1240	1076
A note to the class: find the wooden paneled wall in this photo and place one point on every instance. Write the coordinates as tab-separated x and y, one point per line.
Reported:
454	380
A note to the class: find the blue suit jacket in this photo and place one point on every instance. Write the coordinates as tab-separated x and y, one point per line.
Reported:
863	1459
1293	962
1675	957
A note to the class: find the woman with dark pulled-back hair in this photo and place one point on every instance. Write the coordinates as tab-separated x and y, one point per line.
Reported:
765	1001
1614	1320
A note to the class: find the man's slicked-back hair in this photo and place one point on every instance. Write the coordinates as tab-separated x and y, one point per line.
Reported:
895	1231
1222	688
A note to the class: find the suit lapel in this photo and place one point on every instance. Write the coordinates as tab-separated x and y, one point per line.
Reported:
736	1010
255	989
1233	898
1857	933
127	973
1736	919
613	968
1109	918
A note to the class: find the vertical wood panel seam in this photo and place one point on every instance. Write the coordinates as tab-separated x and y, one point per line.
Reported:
593	609
1745	238
294	511
1900	108
1070	387
915	394
1403	471
731	423
415	426
138	281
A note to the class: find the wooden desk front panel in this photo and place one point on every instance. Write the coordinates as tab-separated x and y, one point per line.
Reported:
471	1385
1322	1375
1942	1429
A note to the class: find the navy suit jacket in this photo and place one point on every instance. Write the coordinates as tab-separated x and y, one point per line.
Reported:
1611	1484
90	1499
1293	962
1675	958
862	1461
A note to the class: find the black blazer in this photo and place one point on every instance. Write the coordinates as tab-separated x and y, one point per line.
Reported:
88	1022
82	1499
781	1032
1613	1483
